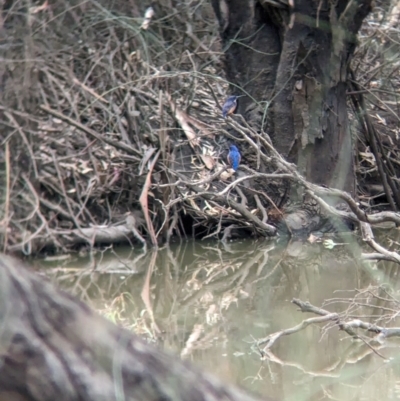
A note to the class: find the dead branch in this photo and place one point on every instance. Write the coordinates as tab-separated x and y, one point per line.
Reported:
349	326
344	323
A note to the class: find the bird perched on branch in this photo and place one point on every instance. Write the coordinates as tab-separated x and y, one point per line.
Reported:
234	157
230	105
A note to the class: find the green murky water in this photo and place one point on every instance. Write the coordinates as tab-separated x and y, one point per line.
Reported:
209	303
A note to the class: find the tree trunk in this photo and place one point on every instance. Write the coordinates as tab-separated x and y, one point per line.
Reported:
53	347
292	58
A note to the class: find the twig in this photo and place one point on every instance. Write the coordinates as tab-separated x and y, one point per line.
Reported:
61	181
144	200
6	217
117	145
25	139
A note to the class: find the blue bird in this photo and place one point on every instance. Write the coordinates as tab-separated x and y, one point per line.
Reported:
234	157
230	105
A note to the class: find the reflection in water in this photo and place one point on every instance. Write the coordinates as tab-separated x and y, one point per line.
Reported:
210	302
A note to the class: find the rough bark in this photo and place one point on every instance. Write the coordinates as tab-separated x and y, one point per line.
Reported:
53	347
294	57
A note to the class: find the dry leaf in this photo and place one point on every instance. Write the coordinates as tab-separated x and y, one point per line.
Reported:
35	10
381	120
227	174
193	204
208	161
183	120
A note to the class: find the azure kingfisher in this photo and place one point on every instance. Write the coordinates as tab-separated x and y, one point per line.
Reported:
234	157
230	105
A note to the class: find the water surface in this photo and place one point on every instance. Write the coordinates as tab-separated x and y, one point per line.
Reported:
210	302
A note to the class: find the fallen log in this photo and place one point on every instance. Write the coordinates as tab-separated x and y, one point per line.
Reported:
54	347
